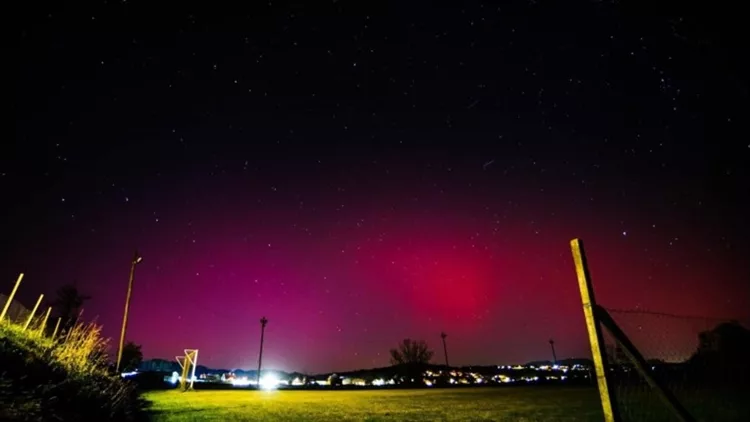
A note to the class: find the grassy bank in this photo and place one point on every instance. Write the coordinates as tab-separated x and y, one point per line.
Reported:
67	380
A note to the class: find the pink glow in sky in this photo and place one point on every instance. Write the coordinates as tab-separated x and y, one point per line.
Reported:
340	290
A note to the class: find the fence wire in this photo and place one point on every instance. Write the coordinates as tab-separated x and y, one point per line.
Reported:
703	361
17	313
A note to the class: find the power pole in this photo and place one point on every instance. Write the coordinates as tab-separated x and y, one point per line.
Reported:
445	349
554	356
263	322
136	259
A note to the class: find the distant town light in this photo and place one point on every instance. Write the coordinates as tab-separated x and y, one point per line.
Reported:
269	382
240	382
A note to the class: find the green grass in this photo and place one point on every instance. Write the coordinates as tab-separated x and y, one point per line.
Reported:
481	404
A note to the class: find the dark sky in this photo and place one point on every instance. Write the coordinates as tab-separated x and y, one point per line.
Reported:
364	172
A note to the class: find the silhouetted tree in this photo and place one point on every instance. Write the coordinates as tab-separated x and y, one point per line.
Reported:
131	356
722	354
67	305
410	359
411	352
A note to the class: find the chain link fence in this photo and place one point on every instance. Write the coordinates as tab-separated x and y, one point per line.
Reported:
702	361
17	313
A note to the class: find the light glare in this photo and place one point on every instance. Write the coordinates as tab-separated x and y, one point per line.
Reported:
269	382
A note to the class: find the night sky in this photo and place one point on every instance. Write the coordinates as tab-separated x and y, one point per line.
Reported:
362	172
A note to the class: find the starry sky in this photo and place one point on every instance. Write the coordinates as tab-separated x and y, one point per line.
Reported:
363	172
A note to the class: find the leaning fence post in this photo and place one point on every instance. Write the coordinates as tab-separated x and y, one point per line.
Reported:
57	326
44	322
31	315
609	406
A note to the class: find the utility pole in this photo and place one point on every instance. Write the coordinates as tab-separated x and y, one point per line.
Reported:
263	322
554	356
445	349
136	259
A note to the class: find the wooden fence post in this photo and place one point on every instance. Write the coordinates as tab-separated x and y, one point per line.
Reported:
609	406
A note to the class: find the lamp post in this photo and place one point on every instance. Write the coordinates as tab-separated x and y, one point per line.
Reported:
136	259
554	356
263	322
445	349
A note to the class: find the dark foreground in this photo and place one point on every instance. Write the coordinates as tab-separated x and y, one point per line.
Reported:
471	404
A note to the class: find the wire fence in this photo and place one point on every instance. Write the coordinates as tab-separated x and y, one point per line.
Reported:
703	361
17	313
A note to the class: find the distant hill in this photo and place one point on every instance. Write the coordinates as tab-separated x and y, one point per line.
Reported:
565	362
162	365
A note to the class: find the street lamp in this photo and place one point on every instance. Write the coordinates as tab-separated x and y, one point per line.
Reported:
263	322
445	349
554	355
136	260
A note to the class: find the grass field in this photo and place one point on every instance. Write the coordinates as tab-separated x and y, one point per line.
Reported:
480	404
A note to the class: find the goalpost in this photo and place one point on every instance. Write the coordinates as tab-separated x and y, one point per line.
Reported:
188	363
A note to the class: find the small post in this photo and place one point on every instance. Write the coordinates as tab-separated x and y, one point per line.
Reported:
44	322
445	349
57	326
596	339
10	298
31	315
263	322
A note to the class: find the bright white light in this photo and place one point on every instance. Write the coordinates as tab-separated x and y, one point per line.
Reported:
175	377
128	374
269	382
378	382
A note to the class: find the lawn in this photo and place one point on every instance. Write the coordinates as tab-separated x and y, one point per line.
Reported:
480	404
